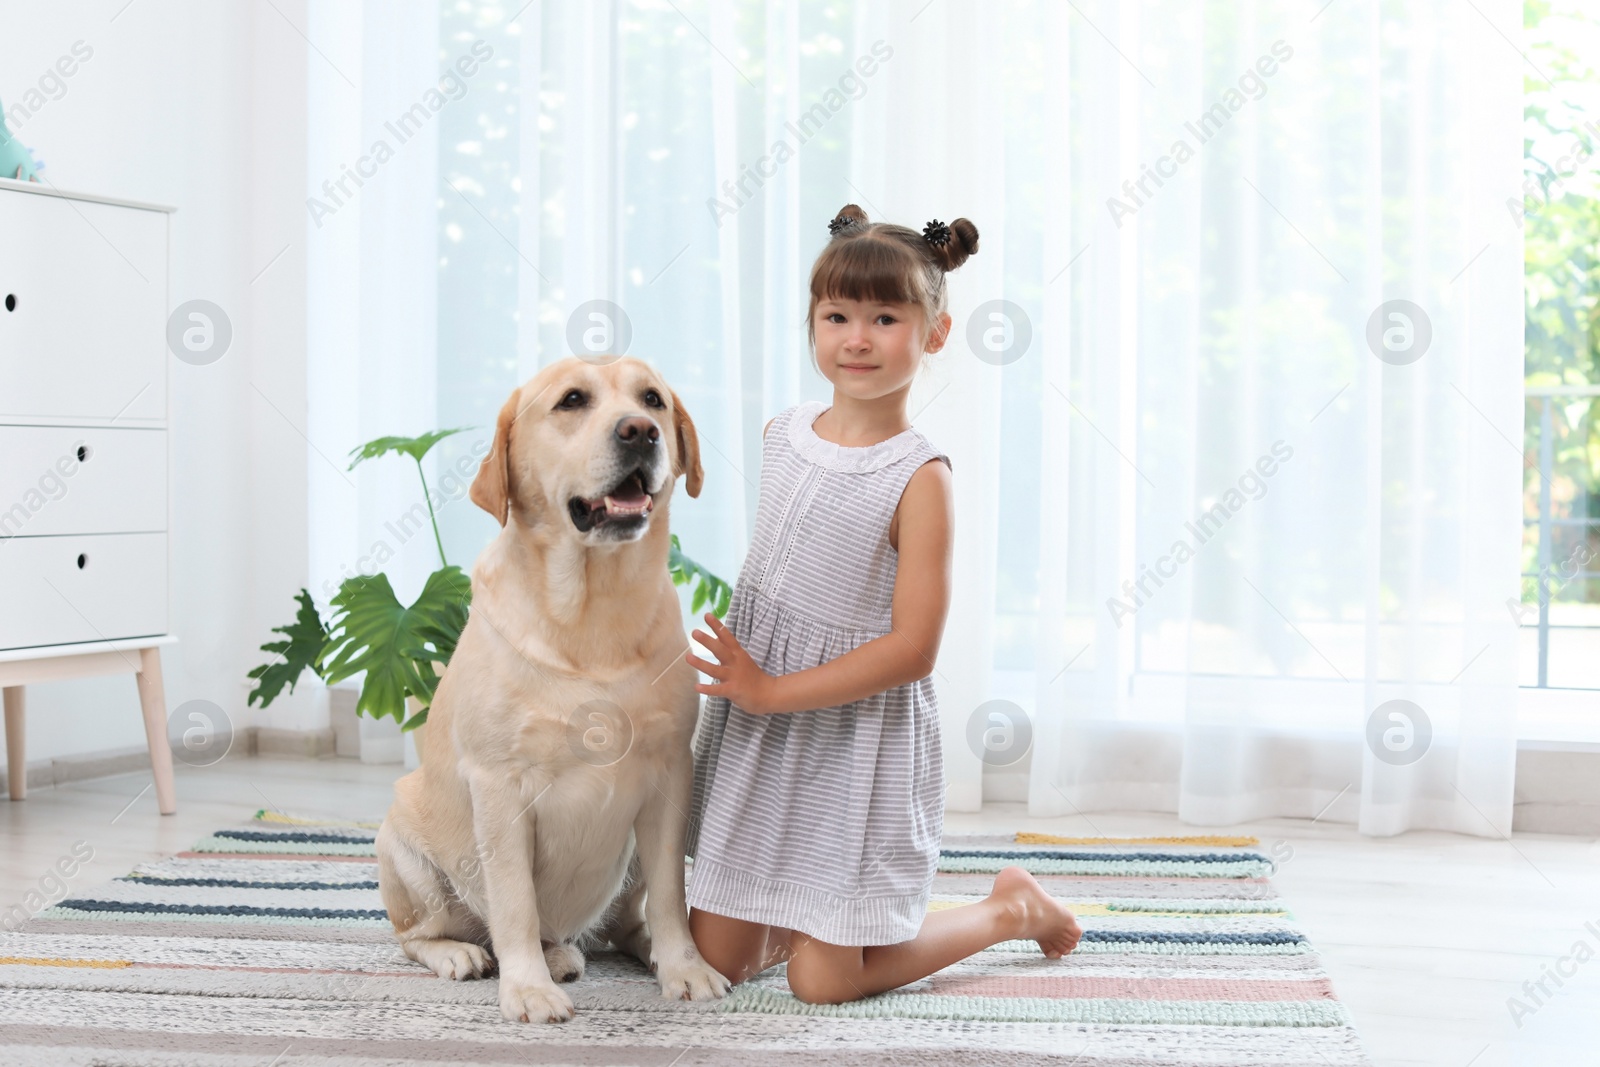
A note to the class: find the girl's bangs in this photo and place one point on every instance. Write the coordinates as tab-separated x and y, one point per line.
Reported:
865	270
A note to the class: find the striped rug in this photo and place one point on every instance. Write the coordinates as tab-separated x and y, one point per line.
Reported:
268	944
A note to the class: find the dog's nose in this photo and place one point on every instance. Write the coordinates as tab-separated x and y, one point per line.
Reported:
638	433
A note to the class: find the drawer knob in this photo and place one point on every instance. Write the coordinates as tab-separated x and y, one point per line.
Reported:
83	560
84	452
11	301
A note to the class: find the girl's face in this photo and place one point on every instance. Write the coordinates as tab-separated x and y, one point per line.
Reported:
868	349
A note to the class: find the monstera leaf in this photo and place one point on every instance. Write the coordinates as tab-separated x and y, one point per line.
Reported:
305	638
708	588
415	447
396	646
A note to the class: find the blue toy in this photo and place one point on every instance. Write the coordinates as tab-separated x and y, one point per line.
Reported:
15	160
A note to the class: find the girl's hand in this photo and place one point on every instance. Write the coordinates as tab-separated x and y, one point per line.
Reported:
739	678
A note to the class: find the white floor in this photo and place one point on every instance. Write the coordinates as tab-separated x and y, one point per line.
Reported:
1427	935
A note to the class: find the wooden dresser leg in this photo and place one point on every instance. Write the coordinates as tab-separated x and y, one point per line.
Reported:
153	699
16	748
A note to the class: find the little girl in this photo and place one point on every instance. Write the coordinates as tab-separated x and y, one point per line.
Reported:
819	782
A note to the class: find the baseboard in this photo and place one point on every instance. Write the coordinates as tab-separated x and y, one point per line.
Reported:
1558	789
1535	818
45	773
255	741
1557	786
293	744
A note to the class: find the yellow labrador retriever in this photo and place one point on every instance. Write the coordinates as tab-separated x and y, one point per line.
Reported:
549	813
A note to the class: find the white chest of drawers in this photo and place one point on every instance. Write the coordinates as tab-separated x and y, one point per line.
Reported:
83	452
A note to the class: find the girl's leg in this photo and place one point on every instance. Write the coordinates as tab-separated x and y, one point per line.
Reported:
1017	907
738	949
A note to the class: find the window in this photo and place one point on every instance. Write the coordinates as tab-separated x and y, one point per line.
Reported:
1560	212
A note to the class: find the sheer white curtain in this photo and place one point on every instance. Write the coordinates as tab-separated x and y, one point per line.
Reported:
1262	533
372	250
1192	214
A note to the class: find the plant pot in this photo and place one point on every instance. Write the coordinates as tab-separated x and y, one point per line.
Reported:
415	740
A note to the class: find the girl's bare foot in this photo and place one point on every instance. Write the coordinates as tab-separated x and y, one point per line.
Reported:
1036	914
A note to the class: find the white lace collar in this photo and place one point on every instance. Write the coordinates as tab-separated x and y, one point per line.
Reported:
856	460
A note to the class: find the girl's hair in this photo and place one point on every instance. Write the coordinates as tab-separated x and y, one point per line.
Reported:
885	263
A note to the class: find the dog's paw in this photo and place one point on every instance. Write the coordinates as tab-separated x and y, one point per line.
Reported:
637	945
451	959
691	979
528	1003
564	961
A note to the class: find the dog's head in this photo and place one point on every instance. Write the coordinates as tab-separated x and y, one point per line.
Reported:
589	448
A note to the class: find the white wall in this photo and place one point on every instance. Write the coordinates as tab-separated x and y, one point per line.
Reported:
200	105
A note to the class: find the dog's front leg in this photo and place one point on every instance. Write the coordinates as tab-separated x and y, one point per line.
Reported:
504	824
659	838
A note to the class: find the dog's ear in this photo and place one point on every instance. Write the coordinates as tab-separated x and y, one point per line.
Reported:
491	489
688	447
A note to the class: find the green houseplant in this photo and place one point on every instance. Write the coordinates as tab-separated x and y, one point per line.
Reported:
401	650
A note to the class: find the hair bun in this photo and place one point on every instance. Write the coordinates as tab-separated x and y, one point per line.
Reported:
849	215
951	245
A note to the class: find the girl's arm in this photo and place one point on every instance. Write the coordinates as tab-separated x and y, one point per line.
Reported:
905	654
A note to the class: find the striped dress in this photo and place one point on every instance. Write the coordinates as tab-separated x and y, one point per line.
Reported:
825	821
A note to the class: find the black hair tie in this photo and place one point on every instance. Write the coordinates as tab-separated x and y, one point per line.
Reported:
936	233
838	223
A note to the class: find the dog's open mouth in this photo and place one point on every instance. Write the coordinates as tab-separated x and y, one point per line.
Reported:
627	502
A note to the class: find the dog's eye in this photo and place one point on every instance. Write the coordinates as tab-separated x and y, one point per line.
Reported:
573	399
653	398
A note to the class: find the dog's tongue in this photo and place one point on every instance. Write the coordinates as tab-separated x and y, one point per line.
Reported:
629	495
